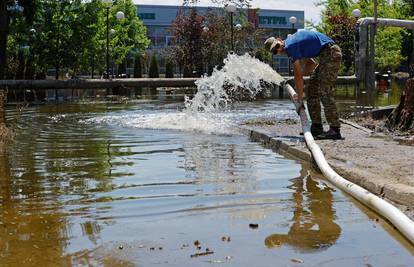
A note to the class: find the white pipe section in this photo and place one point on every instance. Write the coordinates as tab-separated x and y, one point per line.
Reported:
394	215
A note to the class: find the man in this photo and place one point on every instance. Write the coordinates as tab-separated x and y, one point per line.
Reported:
305	46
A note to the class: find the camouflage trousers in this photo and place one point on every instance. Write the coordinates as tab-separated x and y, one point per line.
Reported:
320	86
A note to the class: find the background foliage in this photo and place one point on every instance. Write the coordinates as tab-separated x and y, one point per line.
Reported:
393	45
70	34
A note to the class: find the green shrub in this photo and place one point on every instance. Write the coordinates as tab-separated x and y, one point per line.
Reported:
263	55
122	68
154	70
169	69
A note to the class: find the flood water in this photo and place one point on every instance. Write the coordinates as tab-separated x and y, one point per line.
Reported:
140	184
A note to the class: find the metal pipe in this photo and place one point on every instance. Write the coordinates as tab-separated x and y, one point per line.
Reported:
388	211
370	84
363	38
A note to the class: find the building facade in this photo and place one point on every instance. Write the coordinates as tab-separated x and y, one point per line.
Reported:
158	20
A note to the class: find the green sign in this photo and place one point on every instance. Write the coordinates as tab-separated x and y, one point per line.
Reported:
267	20
146	15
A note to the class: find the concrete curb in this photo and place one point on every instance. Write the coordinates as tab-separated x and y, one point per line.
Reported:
399	193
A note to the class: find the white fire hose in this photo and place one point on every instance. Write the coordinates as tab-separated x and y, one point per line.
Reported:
404	224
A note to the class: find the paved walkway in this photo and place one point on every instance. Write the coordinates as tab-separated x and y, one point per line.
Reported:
380	165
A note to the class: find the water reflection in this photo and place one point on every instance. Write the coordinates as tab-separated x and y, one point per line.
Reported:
227	165
313	223
352	98
72	193
32	231
50	164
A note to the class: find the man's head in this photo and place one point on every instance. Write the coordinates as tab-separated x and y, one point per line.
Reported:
274	45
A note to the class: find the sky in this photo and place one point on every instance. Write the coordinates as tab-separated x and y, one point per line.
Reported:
311	11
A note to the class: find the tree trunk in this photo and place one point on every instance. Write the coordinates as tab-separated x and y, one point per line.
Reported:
4	131
402	116
3	36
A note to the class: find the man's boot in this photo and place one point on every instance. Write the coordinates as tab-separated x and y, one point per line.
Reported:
334	133
316	129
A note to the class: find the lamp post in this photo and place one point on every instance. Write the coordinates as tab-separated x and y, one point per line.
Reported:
119	15
111	33
32	33
231	9
238	28
356	13
292	21
108	6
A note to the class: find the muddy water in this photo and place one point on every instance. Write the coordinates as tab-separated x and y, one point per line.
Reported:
350	98
127	185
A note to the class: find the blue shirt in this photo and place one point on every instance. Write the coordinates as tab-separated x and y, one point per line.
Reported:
305	44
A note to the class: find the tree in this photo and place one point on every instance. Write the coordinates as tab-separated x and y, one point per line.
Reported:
26	17
72	35
137	66
169	69
336	19
187	32
216	40
340	27
29	6
129	32
402	116
263	55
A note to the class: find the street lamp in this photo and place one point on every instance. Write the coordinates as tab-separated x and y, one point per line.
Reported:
32	35
292	21
231	9
112	32
238	28
108	6
119	15
356	13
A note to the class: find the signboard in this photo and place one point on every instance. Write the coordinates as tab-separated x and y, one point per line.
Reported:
272	20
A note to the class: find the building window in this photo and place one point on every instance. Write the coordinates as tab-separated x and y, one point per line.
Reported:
146	16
